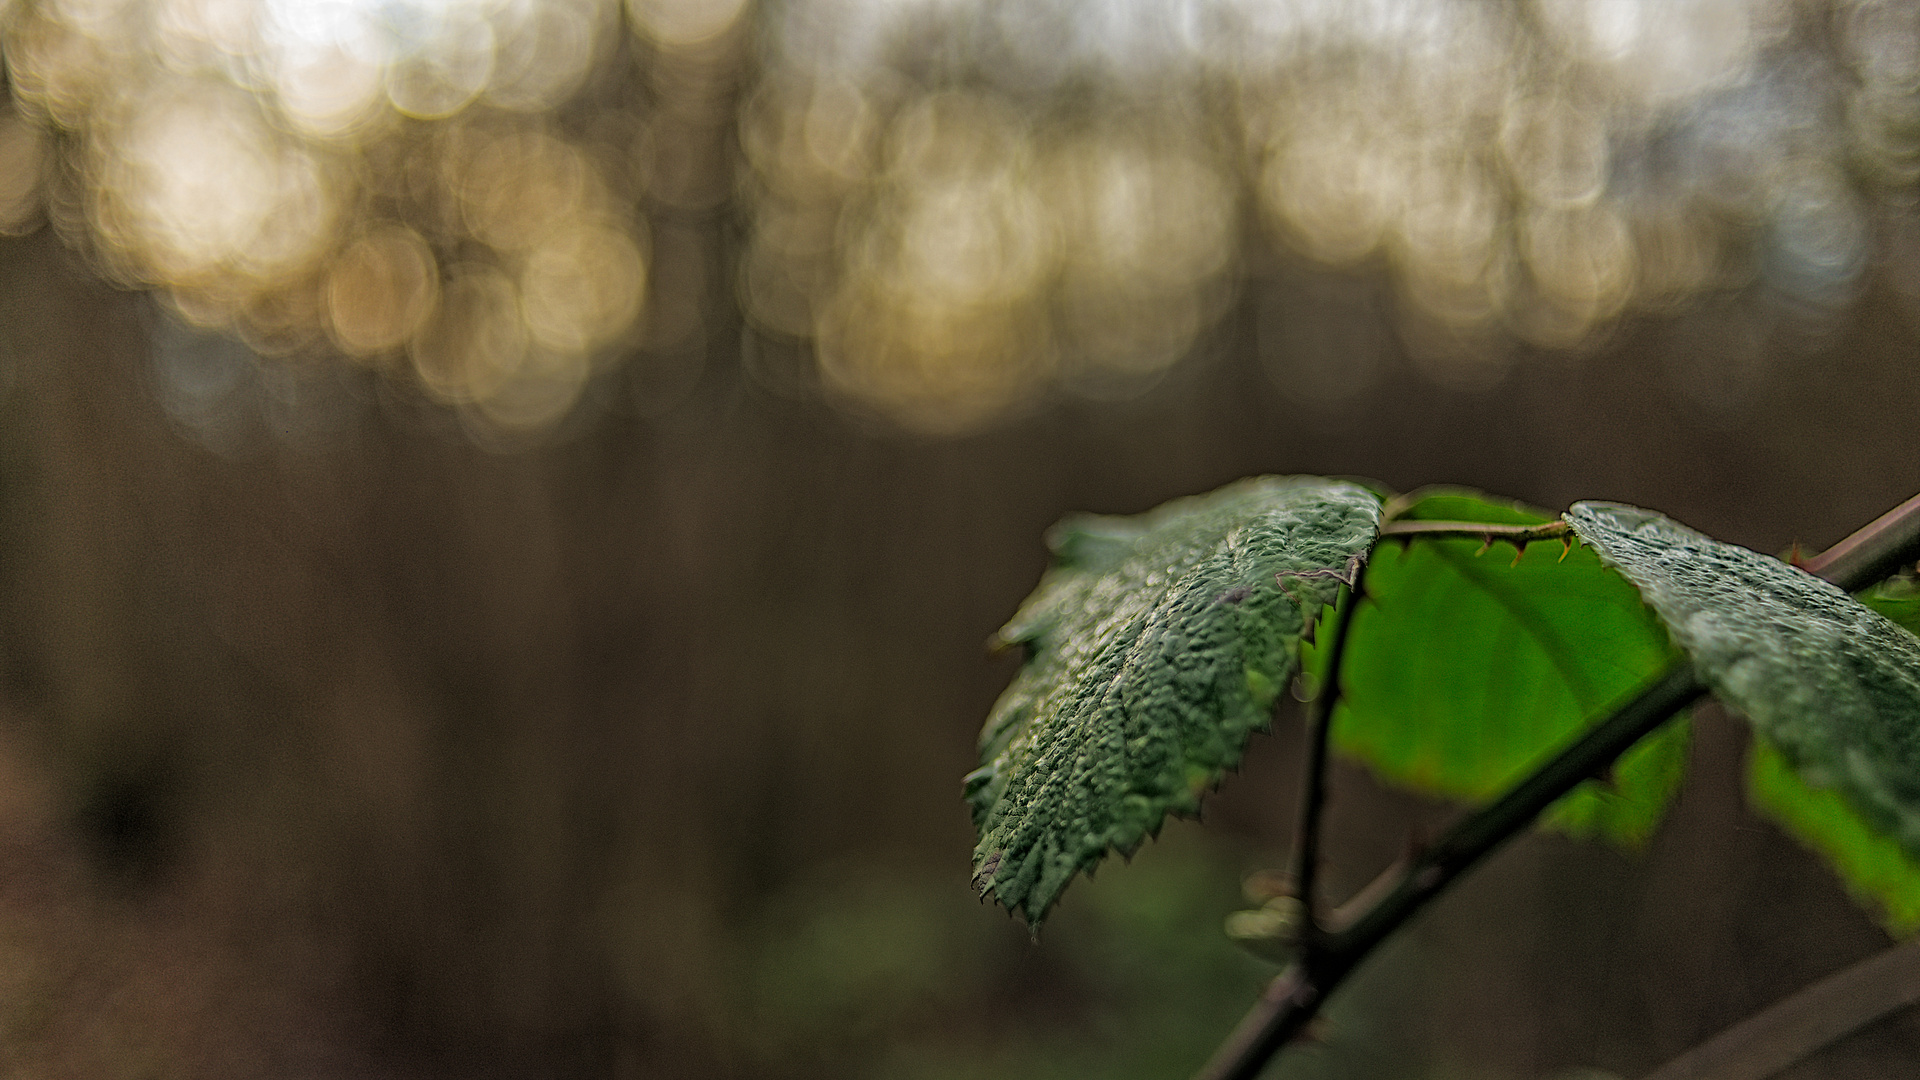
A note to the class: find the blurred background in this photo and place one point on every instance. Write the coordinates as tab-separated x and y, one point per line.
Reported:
502	501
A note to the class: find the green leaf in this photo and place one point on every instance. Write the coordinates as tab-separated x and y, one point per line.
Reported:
1642	784
1464	668
1155	646
1835	686
1872	865
1898	599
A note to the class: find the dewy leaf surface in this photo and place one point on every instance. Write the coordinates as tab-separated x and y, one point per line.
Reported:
1465	668
1155	645
1832	684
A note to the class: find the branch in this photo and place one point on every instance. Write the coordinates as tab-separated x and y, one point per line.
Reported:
1295	995
1518	535
1768	1042
1875	552
1313	799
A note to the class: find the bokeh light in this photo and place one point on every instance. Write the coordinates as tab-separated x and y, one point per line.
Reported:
379	289
960	207
379	183
22	160
1523	173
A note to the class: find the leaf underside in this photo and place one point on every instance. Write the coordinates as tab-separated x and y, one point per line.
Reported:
1155	646
1465	668
1833	685
1872	865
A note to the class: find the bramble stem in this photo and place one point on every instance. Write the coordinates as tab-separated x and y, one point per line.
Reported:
1313	798
1474	530
1298	991
1295	995
1873	553
1487	828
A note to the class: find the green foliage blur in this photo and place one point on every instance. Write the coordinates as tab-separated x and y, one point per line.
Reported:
881	972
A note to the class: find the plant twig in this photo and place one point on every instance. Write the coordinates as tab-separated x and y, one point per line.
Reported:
1478	530
1278	1016
1313	798
1295	995
1487	828
1769	1041
1873	553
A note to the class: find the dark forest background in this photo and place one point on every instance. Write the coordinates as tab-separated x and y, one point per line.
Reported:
349	744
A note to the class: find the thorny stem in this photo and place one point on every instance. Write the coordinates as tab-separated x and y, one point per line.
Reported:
1475	530
1314	791
1296	994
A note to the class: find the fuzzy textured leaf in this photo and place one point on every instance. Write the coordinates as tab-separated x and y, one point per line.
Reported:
1831	683
1465	667
1155	645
